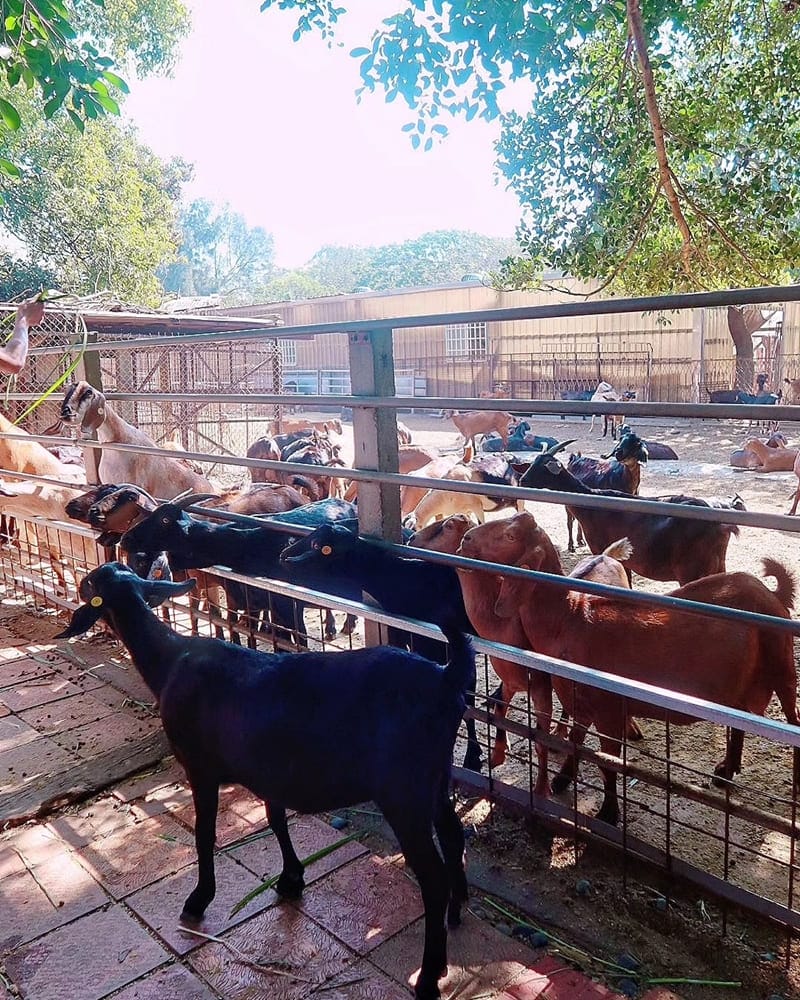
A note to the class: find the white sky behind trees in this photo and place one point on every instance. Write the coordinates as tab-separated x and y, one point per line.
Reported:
273	128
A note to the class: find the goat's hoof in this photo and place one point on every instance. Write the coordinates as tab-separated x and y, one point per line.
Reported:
427	989
561	783
634	731
195	907
473	759
723	776
290	886
609	813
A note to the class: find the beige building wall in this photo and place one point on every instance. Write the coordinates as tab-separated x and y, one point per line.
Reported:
666	355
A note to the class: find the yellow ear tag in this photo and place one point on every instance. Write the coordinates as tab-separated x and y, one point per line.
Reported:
96	602
326	550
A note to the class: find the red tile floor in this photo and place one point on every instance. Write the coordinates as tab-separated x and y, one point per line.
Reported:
90	896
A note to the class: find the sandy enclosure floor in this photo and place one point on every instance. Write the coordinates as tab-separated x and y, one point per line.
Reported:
693	830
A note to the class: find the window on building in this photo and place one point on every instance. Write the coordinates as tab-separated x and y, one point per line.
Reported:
288	353
465	340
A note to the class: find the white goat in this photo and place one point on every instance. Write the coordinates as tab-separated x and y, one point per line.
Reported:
163	476
604	393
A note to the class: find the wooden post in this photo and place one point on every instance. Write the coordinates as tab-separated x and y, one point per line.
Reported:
375	443
89	371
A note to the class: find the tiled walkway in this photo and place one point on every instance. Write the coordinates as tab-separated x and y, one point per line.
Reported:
90	896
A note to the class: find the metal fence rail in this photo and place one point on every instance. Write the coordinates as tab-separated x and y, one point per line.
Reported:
654	778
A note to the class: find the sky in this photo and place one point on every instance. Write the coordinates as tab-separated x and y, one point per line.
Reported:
273	128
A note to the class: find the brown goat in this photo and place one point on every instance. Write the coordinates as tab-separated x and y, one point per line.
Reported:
265	449
300	424
664	547
410	496
796	500
481	591
482	469
481	422
265	498
721	661
779	459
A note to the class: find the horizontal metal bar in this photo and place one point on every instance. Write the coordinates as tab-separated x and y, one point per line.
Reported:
583	586
565	407
604	590
561	310
753	519
45	480
565	582
566	822
679	703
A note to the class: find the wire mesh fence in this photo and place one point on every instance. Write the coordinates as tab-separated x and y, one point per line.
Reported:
737	840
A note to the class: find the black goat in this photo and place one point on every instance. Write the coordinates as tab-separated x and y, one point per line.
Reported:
194	544
664	547
412	587
310	732
620	470
739	396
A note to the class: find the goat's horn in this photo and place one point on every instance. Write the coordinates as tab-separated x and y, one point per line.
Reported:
183	501
143	491
556	448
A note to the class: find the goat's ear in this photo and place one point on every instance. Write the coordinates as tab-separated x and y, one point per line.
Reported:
108	539
95	412
155	592
82	620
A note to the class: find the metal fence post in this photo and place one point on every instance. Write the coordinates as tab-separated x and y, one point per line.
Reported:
375	432
89	371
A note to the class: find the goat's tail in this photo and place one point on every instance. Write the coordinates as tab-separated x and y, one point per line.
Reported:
785	590
460	669
621	550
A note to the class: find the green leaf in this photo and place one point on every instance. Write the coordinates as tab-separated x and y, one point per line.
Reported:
77	121
9	169
108	103
116	81
10	115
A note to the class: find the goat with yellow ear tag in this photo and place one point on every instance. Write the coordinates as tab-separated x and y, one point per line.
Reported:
150	592
312	732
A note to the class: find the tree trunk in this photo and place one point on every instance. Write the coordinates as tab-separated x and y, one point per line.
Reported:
743	343
636	28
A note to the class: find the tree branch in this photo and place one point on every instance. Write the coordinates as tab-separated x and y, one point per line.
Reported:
636	26
712	222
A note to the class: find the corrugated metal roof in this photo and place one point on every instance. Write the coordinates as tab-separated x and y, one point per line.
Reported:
144	323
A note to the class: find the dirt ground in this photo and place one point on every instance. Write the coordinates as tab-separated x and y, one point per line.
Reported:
686	942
